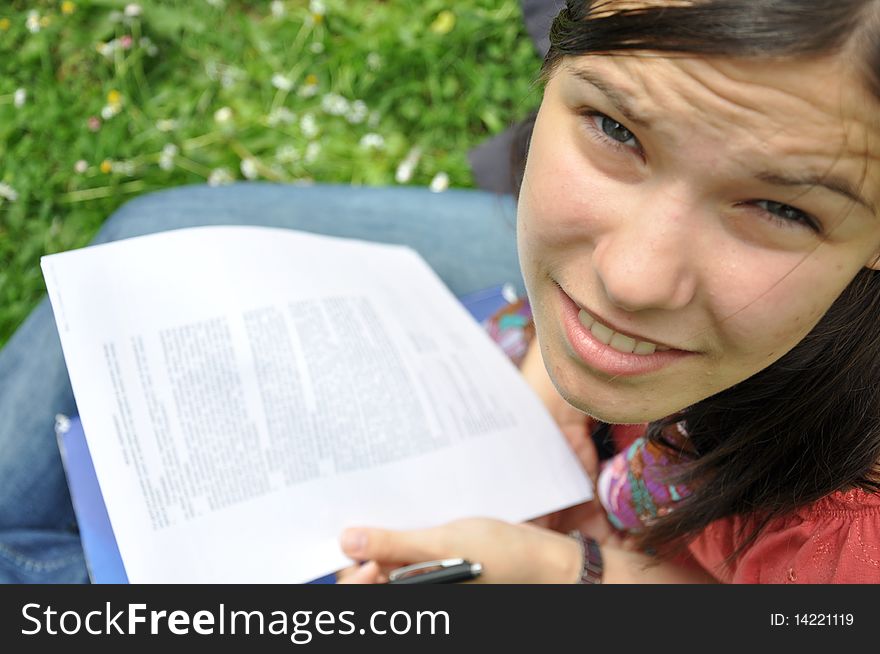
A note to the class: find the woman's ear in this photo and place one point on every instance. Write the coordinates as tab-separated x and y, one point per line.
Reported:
874	261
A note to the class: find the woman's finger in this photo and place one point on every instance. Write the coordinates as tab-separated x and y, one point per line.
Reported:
368	573
388	546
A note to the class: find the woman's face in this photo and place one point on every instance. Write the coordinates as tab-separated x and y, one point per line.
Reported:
683	223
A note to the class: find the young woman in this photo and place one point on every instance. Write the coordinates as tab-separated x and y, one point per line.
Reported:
699	238
701	191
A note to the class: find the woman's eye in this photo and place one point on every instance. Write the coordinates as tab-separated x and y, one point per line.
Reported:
788	214
613	130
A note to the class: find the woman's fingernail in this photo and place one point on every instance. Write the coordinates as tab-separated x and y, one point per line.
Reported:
354	541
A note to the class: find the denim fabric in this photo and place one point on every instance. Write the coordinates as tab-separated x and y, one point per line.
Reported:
468	237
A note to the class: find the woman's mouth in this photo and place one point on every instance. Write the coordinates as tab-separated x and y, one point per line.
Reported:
617	340
612	352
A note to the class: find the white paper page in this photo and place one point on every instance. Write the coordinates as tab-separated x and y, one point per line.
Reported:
248	392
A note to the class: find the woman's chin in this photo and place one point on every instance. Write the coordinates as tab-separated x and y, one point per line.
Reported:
615	415
612	405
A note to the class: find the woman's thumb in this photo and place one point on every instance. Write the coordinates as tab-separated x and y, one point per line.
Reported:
354	543
384	545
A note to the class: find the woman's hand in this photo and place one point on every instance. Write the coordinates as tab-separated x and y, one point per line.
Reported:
509	553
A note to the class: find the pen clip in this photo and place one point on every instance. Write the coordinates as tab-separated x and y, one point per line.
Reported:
425	566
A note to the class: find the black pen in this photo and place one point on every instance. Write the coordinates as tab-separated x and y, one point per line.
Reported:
446	571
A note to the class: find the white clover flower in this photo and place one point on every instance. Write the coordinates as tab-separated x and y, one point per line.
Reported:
220	176
372	141
123	167
316	47
313	149
374	61
334	104
33	22
249	168
281	116
226	75
19	98
309	126
287	154
166	125
405	169
149	47
308	90
109	110
106	49
133	10
7	192
219	4
317	7
115	16
440	182
230	76
166	159
277	8
81	166
404	172
282	82
357	112
223	115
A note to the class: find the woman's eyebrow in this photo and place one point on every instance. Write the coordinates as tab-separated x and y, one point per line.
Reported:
614	95
834	184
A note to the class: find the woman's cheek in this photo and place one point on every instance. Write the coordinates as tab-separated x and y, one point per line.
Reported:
772	325
561	214
561	183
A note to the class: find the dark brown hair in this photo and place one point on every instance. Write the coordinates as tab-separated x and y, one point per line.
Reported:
809	424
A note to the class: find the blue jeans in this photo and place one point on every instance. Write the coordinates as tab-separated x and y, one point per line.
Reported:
468	237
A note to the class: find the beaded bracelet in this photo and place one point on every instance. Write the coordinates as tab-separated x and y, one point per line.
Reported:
591	567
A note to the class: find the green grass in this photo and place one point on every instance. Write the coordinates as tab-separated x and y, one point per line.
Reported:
435	75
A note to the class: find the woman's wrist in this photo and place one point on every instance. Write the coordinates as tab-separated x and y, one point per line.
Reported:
591	569
573	561
556	556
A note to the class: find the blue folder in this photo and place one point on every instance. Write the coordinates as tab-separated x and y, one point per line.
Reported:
99	543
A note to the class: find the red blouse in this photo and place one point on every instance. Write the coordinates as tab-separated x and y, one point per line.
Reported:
834	540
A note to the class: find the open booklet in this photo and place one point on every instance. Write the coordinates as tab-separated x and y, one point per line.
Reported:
247	393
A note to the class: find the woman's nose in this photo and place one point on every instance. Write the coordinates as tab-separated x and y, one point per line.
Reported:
649	260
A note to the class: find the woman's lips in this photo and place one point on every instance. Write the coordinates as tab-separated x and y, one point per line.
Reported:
604	358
